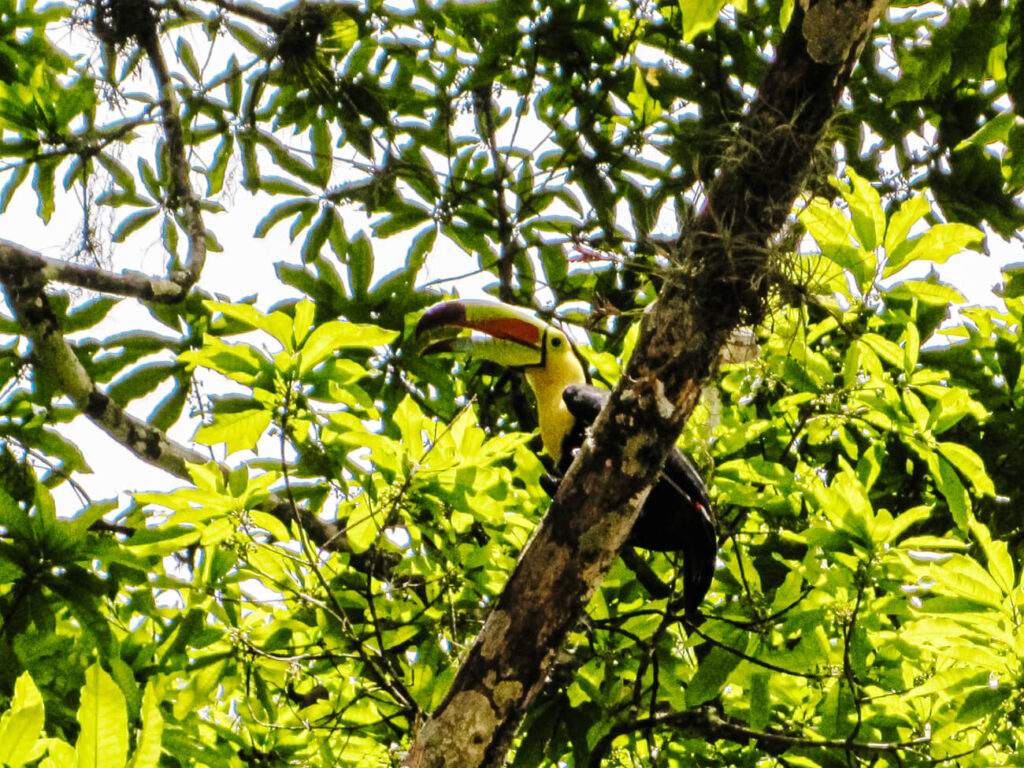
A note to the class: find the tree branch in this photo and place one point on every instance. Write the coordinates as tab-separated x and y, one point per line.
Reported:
706	723
250	11
182	193
14	258
483	106
719	280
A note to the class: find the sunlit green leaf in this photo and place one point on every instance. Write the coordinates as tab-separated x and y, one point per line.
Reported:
21	725
969	464
239	431
103	719
937	244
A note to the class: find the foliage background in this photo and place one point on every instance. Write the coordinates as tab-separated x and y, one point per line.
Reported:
307	601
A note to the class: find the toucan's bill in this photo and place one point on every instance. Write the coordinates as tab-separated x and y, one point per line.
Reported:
514	337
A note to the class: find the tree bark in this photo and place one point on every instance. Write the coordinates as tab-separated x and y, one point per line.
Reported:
721	273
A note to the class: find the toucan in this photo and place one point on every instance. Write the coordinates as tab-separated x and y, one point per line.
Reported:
677	515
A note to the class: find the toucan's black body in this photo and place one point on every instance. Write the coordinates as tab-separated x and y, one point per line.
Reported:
677	515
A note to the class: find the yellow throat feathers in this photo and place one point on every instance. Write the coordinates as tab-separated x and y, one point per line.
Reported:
560	369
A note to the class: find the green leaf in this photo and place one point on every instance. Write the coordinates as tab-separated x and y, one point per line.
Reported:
403	216
698	16
103	719
273	526
932	293
13	517
238	362
42	182
188	58
981	702
964	577
885	349
948	684
837	708
901	222
121	175
338	334
759	701
250	40
286	158
905	520
996	129
19	174
865	210
970	465
911	348
150	743
937	245
89	314
952	488
646	110
219	165
169	409
279	185
997	555
360	265
282	211
948	410
361	530
169	236
409	419
61	755
57	445
239	431
834	234
250	160
711	676
277	324
323	155
22	725
318	235
141	381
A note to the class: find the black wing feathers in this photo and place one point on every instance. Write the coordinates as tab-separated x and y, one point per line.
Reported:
677	515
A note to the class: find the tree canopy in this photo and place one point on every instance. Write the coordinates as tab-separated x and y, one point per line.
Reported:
355	566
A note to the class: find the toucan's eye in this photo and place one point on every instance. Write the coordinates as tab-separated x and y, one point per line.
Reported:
556	341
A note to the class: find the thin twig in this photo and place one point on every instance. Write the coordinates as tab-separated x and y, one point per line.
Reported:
182	192
705	722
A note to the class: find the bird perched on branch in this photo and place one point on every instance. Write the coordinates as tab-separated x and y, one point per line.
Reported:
677	514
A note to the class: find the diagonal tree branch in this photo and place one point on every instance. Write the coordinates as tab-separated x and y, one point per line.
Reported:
719	280
14	258
24	284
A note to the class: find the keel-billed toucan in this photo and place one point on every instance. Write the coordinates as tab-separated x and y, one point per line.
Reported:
677	515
